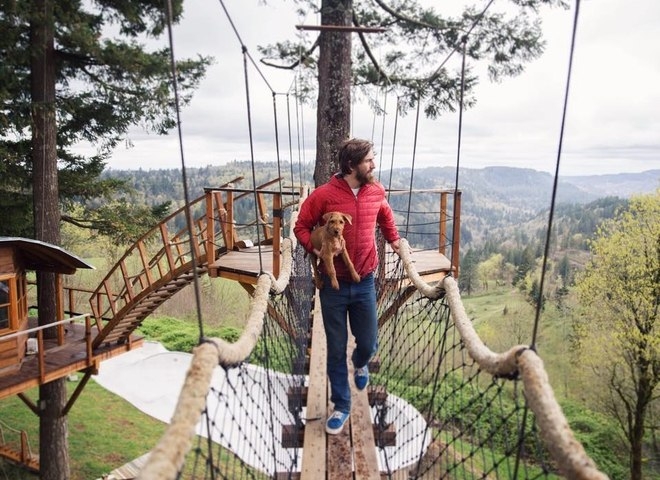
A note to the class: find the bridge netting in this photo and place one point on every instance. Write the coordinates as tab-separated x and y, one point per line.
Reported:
448	406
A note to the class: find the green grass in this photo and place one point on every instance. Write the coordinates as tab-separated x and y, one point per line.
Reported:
503	318
105	432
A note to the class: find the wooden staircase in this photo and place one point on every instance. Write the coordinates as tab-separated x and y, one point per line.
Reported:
22	456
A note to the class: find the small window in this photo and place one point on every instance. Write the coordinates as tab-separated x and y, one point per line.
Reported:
7	287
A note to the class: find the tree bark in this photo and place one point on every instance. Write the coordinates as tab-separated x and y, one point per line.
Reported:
638	413
334	100
53	446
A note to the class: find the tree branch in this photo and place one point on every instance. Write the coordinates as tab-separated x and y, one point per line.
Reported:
364	43
404	18
305	55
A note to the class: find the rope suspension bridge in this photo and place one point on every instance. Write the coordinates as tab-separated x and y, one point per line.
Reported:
440	404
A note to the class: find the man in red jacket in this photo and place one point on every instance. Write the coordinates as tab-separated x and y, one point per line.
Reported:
354	191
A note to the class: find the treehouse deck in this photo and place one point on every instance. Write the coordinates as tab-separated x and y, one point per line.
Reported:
57	358
244	260
246	264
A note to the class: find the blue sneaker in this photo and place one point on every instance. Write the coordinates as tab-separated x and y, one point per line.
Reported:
362	377
336	421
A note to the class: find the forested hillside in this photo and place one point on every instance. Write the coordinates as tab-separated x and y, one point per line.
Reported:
500	205
504	211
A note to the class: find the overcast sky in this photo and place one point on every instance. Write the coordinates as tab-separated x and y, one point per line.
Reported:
612	123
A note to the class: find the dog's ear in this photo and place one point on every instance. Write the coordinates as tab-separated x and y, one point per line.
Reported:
348	218
327	216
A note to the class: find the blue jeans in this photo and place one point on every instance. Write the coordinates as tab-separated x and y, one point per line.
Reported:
358	301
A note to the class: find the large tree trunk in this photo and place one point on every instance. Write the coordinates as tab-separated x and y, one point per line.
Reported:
53	447
334	102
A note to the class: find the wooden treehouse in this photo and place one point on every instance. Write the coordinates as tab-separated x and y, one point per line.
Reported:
30	354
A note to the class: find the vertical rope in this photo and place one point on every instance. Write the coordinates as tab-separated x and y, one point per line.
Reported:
254	175
546	253
458	141
298	129
277	143
382	135
412	167
396	124
288	119
189	220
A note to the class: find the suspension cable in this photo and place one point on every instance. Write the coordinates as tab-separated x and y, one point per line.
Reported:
546	253
396	123
412	167
458	141
189	221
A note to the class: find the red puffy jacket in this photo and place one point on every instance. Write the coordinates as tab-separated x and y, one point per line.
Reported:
368	209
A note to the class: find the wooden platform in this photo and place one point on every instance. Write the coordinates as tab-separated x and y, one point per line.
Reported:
245	265
61	360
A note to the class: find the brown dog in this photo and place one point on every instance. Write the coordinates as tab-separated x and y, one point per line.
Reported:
327	240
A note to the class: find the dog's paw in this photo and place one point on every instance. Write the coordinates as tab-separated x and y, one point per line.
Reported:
335	284
356	277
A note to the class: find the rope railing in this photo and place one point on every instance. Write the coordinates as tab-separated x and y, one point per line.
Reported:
519	360
167	458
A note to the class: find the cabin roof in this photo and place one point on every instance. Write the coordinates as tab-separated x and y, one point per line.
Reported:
42	256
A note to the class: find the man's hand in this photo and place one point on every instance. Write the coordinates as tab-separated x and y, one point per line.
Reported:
396	246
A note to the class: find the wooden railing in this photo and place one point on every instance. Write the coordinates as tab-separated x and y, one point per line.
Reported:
158	256
223	200
41	351
23	455
449	232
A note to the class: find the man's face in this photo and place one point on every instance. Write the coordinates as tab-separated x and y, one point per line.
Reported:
364	170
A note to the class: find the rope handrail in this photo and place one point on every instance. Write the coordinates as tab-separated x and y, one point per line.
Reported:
168	455
520	359
44	327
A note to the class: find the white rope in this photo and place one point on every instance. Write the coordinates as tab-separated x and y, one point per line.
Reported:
167	457
426	289
557	435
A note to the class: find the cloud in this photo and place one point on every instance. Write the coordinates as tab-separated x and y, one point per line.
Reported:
611	123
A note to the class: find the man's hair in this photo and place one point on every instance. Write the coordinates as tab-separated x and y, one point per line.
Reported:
351	153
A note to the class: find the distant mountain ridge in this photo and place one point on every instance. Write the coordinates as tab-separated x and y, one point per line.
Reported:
527	188
496	201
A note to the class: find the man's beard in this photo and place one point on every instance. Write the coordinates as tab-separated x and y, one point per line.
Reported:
364	178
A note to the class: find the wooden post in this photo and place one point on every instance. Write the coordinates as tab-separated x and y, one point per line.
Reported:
210	227
456	234
59	307
40	356
277	233
443	223
165	235
229	227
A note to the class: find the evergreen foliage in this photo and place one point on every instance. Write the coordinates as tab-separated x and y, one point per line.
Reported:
107	80
416	40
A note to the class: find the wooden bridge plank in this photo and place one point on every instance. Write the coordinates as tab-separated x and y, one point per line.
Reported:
340	456
365	459
362	436
313	461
